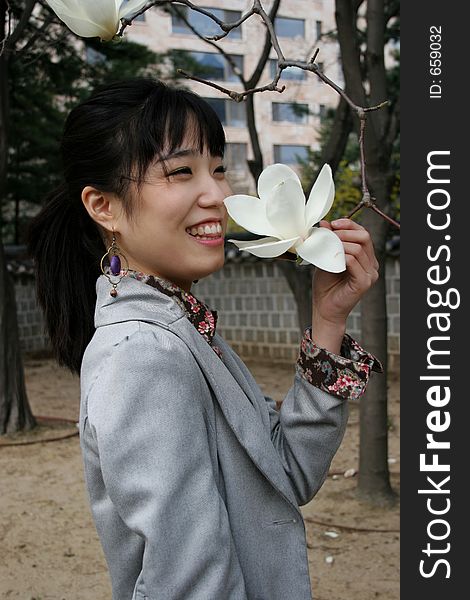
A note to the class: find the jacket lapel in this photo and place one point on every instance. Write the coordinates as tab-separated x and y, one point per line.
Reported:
237	401
137	301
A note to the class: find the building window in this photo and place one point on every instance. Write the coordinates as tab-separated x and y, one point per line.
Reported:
202	24
216	67
235	157
290	28
289	154
322	112
140	18
290	111
230	113
290	73
318	27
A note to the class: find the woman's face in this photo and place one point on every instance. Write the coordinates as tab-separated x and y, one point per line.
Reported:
174	215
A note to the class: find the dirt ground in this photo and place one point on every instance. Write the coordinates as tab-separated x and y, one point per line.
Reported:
49	549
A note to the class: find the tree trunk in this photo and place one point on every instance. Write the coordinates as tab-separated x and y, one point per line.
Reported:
256	164
299	280
374	477
15	413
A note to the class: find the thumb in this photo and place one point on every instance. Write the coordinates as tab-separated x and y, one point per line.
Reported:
326	224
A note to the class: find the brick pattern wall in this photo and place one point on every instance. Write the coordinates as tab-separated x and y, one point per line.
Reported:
30	318
257	312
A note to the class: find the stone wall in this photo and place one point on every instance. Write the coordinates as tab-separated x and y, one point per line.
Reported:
257	312
30	318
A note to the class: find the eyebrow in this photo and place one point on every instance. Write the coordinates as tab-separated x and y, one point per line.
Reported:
178	154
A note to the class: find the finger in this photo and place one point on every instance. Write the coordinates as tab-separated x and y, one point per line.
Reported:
360	280
345	223
355	233
362	237
359	253
324	223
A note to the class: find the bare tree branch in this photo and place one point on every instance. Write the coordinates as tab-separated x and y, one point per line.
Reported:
346	17
39	31
255	76
226	27
219	49
21	25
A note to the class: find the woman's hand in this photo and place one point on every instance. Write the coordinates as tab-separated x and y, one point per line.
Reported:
335	294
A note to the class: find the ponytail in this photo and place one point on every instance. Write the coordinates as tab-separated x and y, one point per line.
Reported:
66	247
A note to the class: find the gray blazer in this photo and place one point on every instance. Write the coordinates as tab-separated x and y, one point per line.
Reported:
194	478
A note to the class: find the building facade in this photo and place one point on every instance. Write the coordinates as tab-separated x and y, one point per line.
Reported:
287	123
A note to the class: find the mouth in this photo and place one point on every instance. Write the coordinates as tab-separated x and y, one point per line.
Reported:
206	231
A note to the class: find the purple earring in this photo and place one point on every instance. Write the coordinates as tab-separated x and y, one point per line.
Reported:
115	265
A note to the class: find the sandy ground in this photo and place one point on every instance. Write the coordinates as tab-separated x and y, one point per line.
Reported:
49	549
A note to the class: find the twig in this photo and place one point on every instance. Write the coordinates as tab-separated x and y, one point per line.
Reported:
367	200
219	49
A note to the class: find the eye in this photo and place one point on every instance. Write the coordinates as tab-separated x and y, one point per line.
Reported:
181	171
221	169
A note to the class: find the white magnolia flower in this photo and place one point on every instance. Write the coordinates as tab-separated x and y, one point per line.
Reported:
281	213
92	18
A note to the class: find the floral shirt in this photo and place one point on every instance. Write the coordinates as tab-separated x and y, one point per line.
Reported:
200	315
345	375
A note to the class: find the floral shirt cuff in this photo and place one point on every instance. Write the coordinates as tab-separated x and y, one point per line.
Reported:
344	376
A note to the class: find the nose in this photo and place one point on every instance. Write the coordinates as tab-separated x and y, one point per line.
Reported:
213	192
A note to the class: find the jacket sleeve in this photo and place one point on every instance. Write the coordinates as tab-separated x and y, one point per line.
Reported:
309	427
152	434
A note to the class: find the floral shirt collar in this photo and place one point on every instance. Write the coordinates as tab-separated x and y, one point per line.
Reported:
201	316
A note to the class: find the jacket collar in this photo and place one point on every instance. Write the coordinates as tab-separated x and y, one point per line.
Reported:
139	302
201	316
135	301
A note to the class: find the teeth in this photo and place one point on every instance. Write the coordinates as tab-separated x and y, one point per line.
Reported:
201	230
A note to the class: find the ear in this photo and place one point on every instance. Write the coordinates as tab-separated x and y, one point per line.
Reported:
102	207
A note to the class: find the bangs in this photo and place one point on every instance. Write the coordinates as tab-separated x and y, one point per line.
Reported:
169	117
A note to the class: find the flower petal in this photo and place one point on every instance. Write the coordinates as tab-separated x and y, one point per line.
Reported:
321	197
268	247
250	213
71	7
285	209
102	13
128	9
85	28
241	244
324	249
272	176
85	20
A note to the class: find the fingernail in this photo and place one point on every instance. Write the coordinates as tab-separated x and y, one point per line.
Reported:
337	221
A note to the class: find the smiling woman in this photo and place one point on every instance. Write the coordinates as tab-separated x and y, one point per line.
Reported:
195	479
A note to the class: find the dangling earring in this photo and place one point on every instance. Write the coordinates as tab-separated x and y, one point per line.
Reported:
115	265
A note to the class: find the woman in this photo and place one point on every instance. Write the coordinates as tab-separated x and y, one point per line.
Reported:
195	479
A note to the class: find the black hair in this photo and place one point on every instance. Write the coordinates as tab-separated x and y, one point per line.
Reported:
109	140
